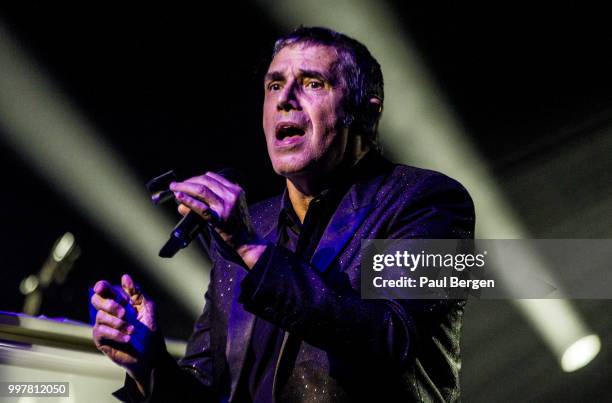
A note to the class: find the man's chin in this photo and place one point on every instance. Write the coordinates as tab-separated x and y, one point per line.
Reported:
291	169
289	172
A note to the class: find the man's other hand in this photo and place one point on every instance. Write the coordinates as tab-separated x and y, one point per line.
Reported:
125	328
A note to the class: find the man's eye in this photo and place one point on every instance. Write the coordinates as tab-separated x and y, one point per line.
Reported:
274	86
314	84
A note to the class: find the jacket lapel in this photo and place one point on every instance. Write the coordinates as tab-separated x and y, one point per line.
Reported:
350	214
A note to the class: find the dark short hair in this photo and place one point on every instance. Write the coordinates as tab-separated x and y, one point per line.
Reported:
360	71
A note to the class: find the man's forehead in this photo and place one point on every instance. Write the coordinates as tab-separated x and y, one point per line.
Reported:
302	56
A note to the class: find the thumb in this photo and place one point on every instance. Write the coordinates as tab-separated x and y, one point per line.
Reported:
131	289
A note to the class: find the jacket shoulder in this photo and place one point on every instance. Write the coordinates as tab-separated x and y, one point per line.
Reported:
426	182
406	175
420	193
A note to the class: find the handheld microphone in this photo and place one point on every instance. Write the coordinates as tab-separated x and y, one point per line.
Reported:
192	223
183	233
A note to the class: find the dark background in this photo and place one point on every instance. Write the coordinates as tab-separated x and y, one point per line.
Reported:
170	88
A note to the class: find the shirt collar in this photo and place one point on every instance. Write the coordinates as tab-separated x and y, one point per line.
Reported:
287	215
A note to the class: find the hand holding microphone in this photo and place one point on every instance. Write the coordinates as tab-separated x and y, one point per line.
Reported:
222	204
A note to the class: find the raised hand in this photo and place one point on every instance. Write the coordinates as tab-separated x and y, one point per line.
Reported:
126	327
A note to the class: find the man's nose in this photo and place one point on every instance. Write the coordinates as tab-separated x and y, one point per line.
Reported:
288	98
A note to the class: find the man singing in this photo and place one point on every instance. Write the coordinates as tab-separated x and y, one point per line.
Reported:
283	318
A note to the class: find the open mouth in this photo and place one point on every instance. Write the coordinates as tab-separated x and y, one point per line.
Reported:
285	131
289	134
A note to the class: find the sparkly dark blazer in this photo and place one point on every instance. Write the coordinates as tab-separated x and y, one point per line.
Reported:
337	347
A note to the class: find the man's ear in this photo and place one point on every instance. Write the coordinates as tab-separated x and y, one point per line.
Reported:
375	105
372	112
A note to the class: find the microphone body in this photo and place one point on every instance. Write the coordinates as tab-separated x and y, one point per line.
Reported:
183	233
191	224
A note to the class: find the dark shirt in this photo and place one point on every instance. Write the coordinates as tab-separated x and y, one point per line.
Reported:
267	339
302	239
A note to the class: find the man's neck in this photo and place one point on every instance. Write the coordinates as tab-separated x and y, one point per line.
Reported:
303	190
299	200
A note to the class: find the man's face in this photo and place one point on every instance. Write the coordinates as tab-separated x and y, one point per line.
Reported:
302	113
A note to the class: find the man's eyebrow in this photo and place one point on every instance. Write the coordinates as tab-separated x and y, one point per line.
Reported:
274	76
316	74
278	76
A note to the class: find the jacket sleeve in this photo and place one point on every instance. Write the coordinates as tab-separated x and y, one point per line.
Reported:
295	296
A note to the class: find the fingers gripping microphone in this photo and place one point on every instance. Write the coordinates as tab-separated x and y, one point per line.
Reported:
192	223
